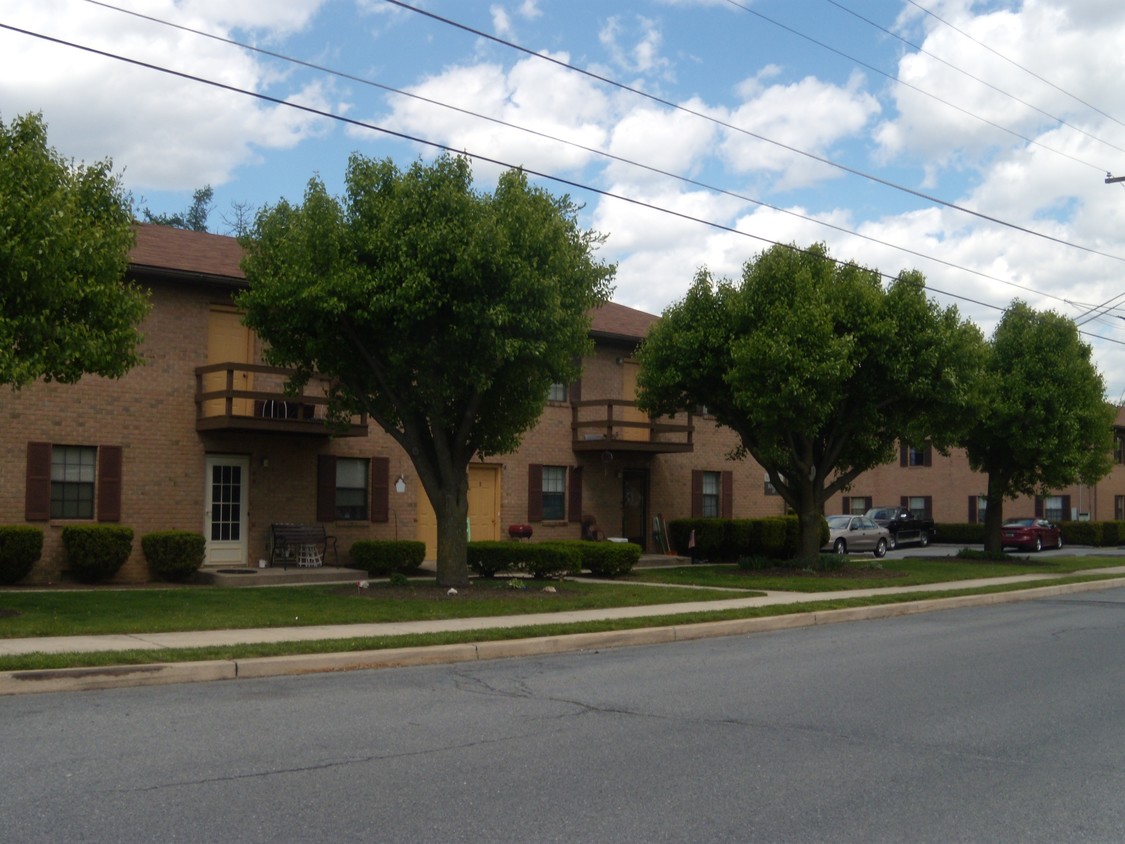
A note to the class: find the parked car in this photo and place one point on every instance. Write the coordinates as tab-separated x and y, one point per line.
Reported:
902	525
1030	534
847	534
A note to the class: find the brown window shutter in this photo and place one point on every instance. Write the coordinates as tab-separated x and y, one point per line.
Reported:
928	507
928	456
535	492
1065	508
574	494
1038	507
902	453
380	489
37	495
575	391
844	505
326	488
904	501
972	509
696	493
109	483
726	503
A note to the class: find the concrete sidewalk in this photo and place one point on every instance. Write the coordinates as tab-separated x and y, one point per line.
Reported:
90	678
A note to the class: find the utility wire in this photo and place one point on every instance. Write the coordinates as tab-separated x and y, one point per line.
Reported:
987	84
583	147
1014	63
748	133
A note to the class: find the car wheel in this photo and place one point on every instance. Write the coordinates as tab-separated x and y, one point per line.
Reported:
1038	545
1058	542
881	548
923	539
893	544
841	547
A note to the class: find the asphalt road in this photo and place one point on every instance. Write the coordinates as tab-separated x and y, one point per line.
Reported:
1003	723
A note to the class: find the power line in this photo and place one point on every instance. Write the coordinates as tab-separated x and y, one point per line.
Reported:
987	84
593	150
812	156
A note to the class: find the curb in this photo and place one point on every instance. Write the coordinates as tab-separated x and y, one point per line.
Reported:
154	674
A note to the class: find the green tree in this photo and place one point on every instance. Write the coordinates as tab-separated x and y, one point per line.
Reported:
193	219
65	235
1042	421
816	367
444	313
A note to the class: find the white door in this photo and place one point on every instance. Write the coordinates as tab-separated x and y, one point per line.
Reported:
225	519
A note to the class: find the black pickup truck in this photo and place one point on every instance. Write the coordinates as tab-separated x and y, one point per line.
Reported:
903	525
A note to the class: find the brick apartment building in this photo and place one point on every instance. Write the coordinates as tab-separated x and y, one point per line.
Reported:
202	437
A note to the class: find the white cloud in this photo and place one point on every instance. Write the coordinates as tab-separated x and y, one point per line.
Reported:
634	46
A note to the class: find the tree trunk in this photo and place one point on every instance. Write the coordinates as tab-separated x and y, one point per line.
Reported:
452	511
810	513
993	514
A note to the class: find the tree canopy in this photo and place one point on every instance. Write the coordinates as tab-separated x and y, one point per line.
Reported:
1042	420
442	312
65	235
194	218
816	367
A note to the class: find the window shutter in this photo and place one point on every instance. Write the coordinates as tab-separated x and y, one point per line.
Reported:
574	494
37	495
109	483
972	509
928	506
902	453
928	456
696	493
575	391
535	492
845	505
1065	508
726	503
326	488
1038	507
380	489
904	501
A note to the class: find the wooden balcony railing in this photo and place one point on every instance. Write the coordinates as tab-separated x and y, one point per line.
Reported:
252	397
618	425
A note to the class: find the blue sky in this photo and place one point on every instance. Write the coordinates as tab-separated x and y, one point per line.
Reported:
922	110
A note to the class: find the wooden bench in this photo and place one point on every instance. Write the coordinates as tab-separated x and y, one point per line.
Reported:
302	545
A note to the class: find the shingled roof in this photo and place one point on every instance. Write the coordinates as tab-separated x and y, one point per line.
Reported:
213	258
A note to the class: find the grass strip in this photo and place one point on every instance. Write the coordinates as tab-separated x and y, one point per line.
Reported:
39	661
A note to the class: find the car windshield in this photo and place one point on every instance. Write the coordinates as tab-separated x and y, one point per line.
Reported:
1019	523
838	522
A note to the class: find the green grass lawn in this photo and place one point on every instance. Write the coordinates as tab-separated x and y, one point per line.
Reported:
93	611
868	573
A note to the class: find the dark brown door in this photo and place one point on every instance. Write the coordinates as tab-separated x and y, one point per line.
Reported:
634	506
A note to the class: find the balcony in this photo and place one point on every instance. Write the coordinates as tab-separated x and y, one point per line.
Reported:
248	397
618	425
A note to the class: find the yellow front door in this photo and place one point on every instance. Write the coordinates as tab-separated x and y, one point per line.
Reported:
228	341
484	509
631	413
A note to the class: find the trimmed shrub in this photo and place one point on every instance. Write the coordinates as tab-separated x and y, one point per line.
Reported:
487	557
728	540
96	552
1113	533
608	559
20	548
1082	533
382	557
544	560
174	555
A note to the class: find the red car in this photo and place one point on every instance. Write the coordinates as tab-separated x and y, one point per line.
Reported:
1030	534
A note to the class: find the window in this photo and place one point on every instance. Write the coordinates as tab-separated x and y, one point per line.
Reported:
554	493
978	508
351	489
856	505
72	482
919	505
909	455
1055	509
1119	508
710	495
557	392
770	488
